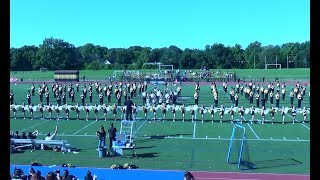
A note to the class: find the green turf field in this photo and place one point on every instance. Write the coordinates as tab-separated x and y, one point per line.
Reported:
275	148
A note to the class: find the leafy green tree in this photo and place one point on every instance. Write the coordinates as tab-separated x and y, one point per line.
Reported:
56	54
252	55
238	59
23	59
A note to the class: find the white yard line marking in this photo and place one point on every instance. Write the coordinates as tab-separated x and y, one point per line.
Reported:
189	138
142	124
194	129
298	138
306	126
253	131
84	127
35	125
299	121
284	138
226	94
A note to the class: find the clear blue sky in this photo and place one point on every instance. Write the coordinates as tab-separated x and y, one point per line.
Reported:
159	23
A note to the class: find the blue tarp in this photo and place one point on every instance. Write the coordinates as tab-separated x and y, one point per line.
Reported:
107	173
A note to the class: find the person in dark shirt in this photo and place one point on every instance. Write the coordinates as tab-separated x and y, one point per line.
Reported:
33	135
129	105
67	176
102	137
89	176
112	134
23	135
188	176
11	134
29	98
11	97
16	135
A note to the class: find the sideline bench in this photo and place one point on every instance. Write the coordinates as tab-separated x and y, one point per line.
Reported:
31	142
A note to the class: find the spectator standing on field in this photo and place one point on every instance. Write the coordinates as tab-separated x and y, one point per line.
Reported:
128	103
112	135
102	137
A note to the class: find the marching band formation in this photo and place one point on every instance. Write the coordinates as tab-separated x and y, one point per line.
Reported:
163	101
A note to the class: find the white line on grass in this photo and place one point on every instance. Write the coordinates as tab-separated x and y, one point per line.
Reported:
35	125
292	118
189	138
299	121
194	129
84	127
142	124
306	126
253	131
226	94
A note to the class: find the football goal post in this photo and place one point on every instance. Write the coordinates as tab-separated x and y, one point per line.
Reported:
272	66
238	152
165	69
43	69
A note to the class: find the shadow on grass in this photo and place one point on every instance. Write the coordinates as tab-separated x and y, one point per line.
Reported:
276	163
145	147
147	155
171	135
157	137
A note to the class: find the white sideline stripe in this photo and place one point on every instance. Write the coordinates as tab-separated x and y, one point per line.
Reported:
223	139
84	127
253	131
194	129
35	125
142	124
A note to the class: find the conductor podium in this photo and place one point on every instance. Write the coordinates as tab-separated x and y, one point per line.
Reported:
124	140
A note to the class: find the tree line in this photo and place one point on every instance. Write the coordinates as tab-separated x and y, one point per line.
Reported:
57	54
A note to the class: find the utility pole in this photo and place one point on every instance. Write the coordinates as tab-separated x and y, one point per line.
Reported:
276	59
254	61
265	61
